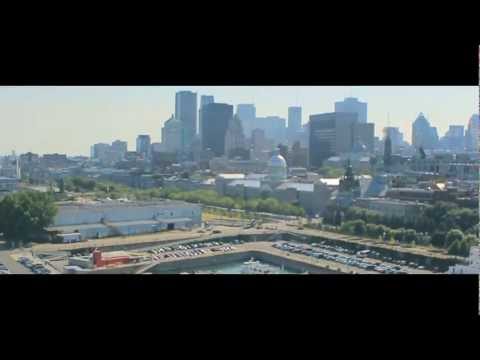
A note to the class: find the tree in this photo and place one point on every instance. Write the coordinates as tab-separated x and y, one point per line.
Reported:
410	236
24	215
438	239
454	248
464	248
471	239
452	236
359	228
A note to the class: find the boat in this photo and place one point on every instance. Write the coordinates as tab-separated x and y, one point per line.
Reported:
252	261
256	267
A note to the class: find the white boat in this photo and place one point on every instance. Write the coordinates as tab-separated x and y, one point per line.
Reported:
256	267
252	261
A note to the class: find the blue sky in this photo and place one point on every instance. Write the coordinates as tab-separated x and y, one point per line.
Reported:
70	119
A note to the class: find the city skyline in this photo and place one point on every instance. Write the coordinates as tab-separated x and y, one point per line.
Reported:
70	119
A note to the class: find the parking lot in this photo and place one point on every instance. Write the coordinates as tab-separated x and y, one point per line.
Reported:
3	269
190	250
366	259
36	264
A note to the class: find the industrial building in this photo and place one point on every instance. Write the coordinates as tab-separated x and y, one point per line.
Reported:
119	218
8	184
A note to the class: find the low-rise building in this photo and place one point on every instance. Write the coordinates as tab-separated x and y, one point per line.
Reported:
390	207
114	218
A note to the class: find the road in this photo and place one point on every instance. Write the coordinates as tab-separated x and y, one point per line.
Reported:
13	266
149	239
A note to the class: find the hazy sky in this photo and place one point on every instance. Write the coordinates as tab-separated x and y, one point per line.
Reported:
70	119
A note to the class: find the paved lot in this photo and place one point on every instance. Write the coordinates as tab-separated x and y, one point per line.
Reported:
13	266
148	239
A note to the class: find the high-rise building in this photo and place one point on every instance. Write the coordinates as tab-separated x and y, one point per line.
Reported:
143	146
294	123
247	114
275	128
352	105
172	135
424	135
330	134
234	137
472	133
120	146
204	100
215	121
98	151
365	134
454	139
186	113
396	137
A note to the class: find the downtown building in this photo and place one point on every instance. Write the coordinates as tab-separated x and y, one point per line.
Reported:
332	134
143	146
275	128
424	135
454	139
204	100
472	134
352	105
294	130
234	137
172	135
247	114
186	113
216	119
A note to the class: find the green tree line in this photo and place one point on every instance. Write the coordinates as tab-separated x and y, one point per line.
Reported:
443	225
25	214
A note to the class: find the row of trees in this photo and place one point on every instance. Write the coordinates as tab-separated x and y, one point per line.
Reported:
25	214
454	240
210	197
442	216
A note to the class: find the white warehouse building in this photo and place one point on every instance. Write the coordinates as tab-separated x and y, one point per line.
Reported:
119	218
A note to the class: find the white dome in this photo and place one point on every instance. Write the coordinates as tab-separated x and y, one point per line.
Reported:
277	168
277	161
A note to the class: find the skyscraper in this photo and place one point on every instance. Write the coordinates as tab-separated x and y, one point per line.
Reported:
424	135
352	105
234	137
247	114
215	121
365	134
172	135
472	133
120	146
396	137
98	151
454	138
143	146
294	123
330	134
275	128
204	100
186	113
